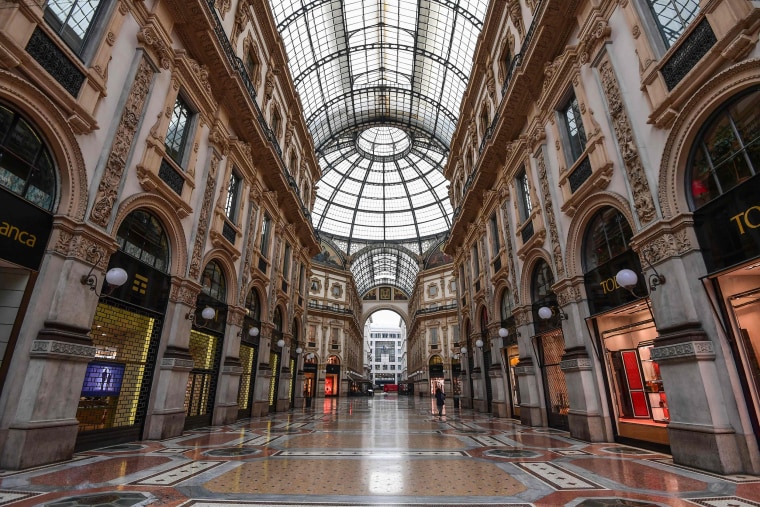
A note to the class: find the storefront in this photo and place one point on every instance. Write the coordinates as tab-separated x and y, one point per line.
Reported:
510	356
332	376
724	180
623	329
126	332
206	337
309	377
435	374
27	192
249	353
549	346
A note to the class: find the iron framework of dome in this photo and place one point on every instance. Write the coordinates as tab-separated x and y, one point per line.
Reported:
381	83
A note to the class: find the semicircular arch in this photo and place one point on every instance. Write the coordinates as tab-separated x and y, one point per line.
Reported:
162	210
579	224
697	110
45	116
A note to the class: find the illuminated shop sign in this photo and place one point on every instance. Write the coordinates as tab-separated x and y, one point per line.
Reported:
24	231
728	228
602	288
103	379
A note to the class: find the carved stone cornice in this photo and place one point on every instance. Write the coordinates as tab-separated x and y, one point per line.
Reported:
593	35
76	240
59	349
569	290
634	168
157	42
666	239
686	351
557	76
184	291
108	188
195	79
219	137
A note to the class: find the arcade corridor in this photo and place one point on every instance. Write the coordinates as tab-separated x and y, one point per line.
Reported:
373	451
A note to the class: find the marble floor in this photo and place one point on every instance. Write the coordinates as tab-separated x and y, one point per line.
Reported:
386	450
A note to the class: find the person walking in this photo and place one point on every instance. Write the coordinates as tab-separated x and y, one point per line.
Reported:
440	398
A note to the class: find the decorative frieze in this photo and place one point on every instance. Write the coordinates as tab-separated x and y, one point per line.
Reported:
108	189
41	348
642	196
524	371
575	364
695	351
152	39
667	245
177	364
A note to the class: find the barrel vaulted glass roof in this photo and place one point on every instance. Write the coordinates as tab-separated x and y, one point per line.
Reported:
381	82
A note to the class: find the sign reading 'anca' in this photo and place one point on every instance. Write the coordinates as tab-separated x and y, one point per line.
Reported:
24	231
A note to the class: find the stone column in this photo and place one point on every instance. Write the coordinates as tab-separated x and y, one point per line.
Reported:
38	423
705	429
587	418
228	385
532	406
264	377
166	419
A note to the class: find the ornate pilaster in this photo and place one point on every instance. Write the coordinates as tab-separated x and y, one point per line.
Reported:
203	220
642	196
108	189
551	220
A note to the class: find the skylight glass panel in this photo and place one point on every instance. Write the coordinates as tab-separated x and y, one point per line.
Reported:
381	149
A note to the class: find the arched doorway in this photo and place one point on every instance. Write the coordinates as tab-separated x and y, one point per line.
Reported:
624	330
249	352
510	353
126	332
722	186
436	374
332	376
28	192
550	346
206	337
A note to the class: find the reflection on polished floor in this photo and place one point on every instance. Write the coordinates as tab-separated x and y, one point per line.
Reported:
386	450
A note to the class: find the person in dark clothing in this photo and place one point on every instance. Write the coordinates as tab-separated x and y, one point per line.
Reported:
440	398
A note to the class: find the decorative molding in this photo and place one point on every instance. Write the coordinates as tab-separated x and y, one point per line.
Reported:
575	364
57	348
157	43
525	371
642	196
177	364
696	351
667	245
108	188
510	252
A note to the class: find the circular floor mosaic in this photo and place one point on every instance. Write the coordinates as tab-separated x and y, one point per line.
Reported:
109	499
501	453
232	451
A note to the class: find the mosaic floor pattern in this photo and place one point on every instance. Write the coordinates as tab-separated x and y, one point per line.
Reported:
373	451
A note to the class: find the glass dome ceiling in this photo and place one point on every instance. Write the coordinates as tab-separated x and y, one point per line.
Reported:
381	83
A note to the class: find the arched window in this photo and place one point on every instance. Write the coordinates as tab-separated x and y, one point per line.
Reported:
277	320
214	283
333	360
607	236
253	305
483	320
436	359
541	283
26	167
727	151
142	237
506	305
